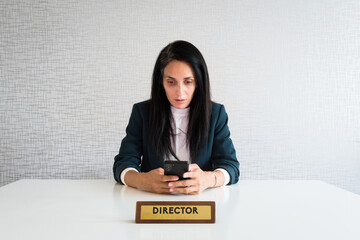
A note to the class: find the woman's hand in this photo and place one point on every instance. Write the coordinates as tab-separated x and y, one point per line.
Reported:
198	182
153	181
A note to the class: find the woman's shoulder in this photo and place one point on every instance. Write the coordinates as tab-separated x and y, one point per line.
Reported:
141	109
216	107
218	113
144	105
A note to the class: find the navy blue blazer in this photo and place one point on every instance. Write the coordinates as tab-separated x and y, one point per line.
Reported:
136	151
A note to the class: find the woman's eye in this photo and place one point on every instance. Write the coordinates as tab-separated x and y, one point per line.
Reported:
170	82
189	82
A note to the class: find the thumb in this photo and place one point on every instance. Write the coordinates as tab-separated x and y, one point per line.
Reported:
193	167
160	171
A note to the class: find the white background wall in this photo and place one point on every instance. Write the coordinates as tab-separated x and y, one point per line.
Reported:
287	72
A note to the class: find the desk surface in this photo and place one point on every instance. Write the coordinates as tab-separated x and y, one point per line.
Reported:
102	209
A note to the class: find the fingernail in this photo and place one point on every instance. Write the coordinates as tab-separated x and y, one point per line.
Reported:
170	184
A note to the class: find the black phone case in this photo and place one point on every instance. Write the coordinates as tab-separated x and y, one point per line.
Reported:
177	168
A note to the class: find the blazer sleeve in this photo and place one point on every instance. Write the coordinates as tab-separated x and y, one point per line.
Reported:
223	153
130	152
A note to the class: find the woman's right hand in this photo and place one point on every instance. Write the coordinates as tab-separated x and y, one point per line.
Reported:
154	181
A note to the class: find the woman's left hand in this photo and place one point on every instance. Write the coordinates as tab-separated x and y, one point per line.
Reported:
198	182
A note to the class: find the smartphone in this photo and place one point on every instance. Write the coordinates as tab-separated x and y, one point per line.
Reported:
177	168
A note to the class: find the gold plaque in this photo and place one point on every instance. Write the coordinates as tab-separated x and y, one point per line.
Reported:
175	212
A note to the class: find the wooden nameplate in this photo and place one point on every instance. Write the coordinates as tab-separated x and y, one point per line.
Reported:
175	212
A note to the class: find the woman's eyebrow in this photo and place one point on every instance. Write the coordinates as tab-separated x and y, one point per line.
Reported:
187	78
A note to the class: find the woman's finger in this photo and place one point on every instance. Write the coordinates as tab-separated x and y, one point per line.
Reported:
192	174
186	190
183	183
193	167
168	178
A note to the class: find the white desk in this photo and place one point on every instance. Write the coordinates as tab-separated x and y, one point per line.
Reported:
102	209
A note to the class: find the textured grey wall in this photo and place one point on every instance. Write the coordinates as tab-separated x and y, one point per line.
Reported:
287	72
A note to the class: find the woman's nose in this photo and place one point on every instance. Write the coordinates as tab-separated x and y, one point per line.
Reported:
180	89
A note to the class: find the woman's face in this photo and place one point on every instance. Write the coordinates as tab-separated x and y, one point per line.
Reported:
179	83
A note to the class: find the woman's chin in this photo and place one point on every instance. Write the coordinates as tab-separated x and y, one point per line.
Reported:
180	105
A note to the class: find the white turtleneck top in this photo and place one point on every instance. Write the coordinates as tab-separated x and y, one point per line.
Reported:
178	143
180	127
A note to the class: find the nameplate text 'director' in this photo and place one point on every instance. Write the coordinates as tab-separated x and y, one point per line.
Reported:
175	212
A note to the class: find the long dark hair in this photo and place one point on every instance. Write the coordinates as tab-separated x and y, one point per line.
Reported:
160	116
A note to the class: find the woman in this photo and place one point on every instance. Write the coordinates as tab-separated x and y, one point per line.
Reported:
179	122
